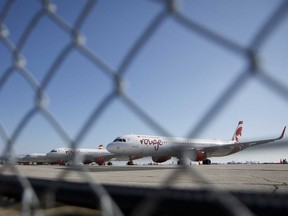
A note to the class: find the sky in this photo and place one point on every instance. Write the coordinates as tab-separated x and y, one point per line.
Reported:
176	78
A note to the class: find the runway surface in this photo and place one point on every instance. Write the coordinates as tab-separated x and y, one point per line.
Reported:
255	177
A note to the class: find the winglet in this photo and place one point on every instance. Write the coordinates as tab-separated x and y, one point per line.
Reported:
283	132
100	146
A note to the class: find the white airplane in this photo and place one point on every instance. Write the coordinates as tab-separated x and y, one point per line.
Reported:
83	156
162	148
38	158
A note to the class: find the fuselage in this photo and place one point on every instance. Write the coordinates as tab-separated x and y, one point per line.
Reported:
146	145
82	155
63	155
162	148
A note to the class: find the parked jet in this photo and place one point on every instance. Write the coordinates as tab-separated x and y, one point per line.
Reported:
32	158
83	156
163	148
38	158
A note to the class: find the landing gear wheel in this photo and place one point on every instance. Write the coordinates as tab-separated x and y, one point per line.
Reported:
130	163
180	162
207	162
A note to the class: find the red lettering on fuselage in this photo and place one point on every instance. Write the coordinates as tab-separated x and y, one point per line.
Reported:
155	143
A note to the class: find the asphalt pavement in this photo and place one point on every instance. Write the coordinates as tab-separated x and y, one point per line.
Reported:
241	177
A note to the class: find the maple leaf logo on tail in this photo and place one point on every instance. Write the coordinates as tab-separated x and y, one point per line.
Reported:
238	132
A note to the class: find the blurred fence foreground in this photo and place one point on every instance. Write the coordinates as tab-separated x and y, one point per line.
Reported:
69	41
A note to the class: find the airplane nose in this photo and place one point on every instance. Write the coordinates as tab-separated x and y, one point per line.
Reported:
112	147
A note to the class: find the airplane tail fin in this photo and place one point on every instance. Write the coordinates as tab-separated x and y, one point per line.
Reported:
100	146
238	132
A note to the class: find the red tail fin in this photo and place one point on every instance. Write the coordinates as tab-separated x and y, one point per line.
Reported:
238	132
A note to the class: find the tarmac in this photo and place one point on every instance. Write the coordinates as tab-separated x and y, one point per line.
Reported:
271	178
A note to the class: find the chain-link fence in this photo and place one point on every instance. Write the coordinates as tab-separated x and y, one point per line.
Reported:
69	45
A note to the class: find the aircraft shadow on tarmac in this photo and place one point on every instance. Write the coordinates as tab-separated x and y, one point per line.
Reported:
118	168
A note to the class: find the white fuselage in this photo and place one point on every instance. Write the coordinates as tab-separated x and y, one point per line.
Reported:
163	148
33	158
145	145
83	155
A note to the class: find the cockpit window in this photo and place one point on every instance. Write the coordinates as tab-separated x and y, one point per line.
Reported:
119	140
53	150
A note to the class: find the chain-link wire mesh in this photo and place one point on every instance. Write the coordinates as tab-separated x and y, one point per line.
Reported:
74	41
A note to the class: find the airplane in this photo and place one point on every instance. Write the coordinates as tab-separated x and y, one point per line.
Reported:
38	158
162	148
64	156
32	158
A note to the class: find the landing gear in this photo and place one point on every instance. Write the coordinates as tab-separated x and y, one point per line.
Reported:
180	162
183	161
130	162
109	163
206	162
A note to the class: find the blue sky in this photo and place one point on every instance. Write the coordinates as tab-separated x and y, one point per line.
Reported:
175	78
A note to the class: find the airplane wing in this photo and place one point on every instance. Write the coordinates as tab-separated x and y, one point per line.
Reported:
227	149
101	159
259	142
115	157
108	157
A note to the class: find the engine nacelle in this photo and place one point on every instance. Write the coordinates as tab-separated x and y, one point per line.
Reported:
160	159
195	155
200	155
59	162
100	161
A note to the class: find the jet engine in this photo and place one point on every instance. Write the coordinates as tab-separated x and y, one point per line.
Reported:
200	155
160	159
195	155
100	161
